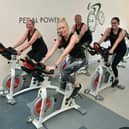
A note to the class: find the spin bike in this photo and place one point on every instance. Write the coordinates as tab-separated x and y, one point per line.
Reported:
13	84
103	76
50	101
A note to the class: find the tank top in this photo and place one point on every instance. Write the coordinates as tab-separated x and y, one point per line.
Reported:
77	51
113	37
87	37
78	29
39	44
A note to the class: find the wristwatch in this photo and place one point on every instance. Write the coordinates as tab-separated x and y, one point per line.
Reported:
21	50
56	66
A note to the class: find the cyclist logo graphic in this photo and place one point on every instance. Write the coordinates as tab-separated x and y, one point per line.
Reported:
95	16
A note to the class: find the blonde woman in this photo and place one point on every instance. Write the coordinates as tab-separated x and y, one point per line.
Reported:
72	47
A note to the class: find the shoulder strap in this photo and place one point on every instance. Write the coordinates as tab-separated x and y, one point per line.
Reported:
111	31
29	36
81	26
63	39
34	31
120	30
69	37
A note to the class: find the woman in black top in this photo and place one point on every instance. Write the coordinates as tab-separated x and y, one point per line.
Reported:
72	47
39	48
116	36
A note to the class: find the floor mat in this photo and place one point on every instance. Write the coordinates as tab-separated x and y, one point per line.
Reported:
83	127
97	117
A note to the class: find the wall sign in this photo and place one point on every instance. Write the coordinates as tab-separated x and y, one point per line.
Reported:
95	16
39	19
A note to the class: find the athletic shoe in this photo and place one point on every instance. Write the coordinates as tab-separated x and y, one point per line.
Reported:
115	83
75	92
120	87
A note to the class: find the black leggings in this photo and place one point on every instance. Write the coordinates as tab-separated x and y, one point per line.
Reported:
118	56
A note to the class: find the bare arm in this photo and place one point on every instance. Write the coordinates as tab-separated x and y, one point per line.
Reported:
21	41
67	50
83	30
73	29
52	50
119	39
35	36
105	35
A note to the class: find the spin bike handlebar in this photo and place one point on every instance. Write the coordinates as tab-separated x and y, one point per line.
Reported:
91	50
29	66
7	52
42	68
40	72
97	49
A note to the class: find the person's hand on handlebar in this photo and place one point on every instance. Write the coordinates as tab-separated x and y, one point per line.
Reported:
19	53
96	46
111	51
49	68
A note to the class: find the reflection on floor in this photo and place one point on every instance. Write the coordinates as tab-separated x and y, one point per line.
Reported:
97	117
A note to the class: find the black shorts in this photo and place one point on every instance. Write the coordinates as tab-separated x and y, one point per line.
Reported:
37	55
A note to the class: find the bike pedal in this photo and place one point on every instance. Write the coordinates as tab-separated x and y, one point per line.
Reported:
67	100
1	92
29	119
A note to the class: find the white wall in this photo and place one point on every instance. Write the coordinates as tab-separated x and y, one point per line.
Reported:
10	11
11	30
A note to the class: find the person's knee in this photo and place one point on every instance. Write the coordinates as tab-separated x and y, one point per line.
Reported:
64	74
114	68
67	71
